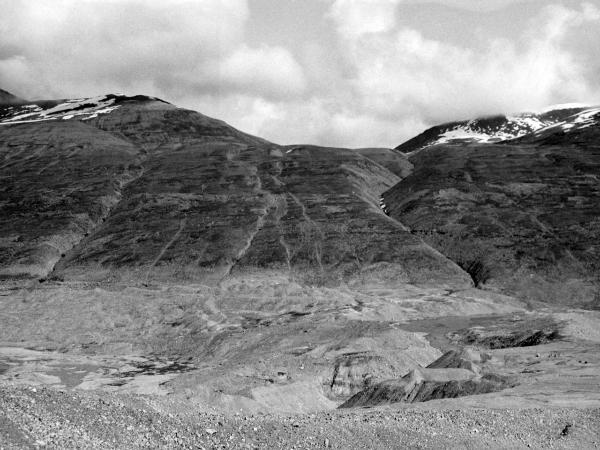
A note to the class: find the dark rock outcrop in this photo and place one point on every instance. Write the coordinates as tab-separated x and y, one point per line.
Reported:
510	332
455	374
415	387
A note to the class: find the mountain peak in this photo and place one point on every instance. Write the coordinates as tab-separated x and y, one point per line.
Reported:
22	111
494	129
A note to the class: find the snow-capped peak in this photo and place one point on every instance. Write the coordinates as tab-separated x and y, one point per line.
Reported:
492	129
502	128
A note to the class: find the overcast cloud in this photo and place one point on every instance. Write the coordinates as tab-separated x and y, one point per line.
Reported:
331	72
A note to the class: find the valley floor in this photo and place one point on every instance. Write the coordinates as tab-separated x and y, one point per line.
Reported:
263	362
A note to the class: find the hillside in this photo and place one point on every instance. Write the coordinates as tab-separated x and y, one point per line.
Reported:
521	215
140	188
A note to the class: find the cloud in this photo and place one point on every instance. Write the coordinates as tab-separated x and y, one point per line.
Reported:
477	5
266	70
74	48
400	75
382	84
357	17
369	82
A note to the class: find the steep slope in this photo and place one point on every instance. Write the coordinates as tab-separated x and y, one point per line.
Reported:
487	130
521	216
59	180
184	196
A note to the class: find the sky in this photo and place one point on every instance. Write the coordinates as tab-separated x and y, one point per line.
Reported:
351	73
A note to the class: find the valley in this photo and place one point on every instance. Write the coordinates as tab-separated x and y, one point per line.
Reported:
169	281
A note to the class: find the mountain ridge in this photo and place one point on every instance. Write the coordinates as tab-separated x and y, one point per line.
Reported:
190	191
520	214
492	129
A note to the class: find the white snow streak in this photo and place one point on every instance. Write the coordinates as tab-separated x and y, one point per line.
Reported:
82	108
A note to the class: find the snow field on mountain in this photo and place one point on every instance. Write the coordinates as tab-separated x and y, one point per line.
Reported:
84	108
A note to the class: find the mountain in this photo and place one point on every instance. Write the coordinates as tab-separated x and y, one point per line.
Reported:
135	187
520	215
493	129
122	187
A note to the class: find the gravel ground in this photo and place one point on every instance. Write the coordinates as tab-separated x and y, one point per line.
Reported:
36	417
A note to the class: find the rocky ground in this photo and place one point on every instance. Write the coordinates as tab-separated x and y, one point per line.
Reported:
91	367
40	417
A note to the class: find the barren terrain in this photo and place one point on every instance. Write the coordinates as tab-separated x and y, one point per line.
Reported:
168	281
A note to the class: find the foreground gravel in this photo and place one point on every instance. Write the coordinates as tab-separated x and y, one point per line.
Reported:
39	417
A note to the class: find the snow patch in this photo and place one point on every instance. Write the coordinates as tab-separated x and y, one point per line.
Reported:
487	131
578	121
587	117
462	134
484	131
82	108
